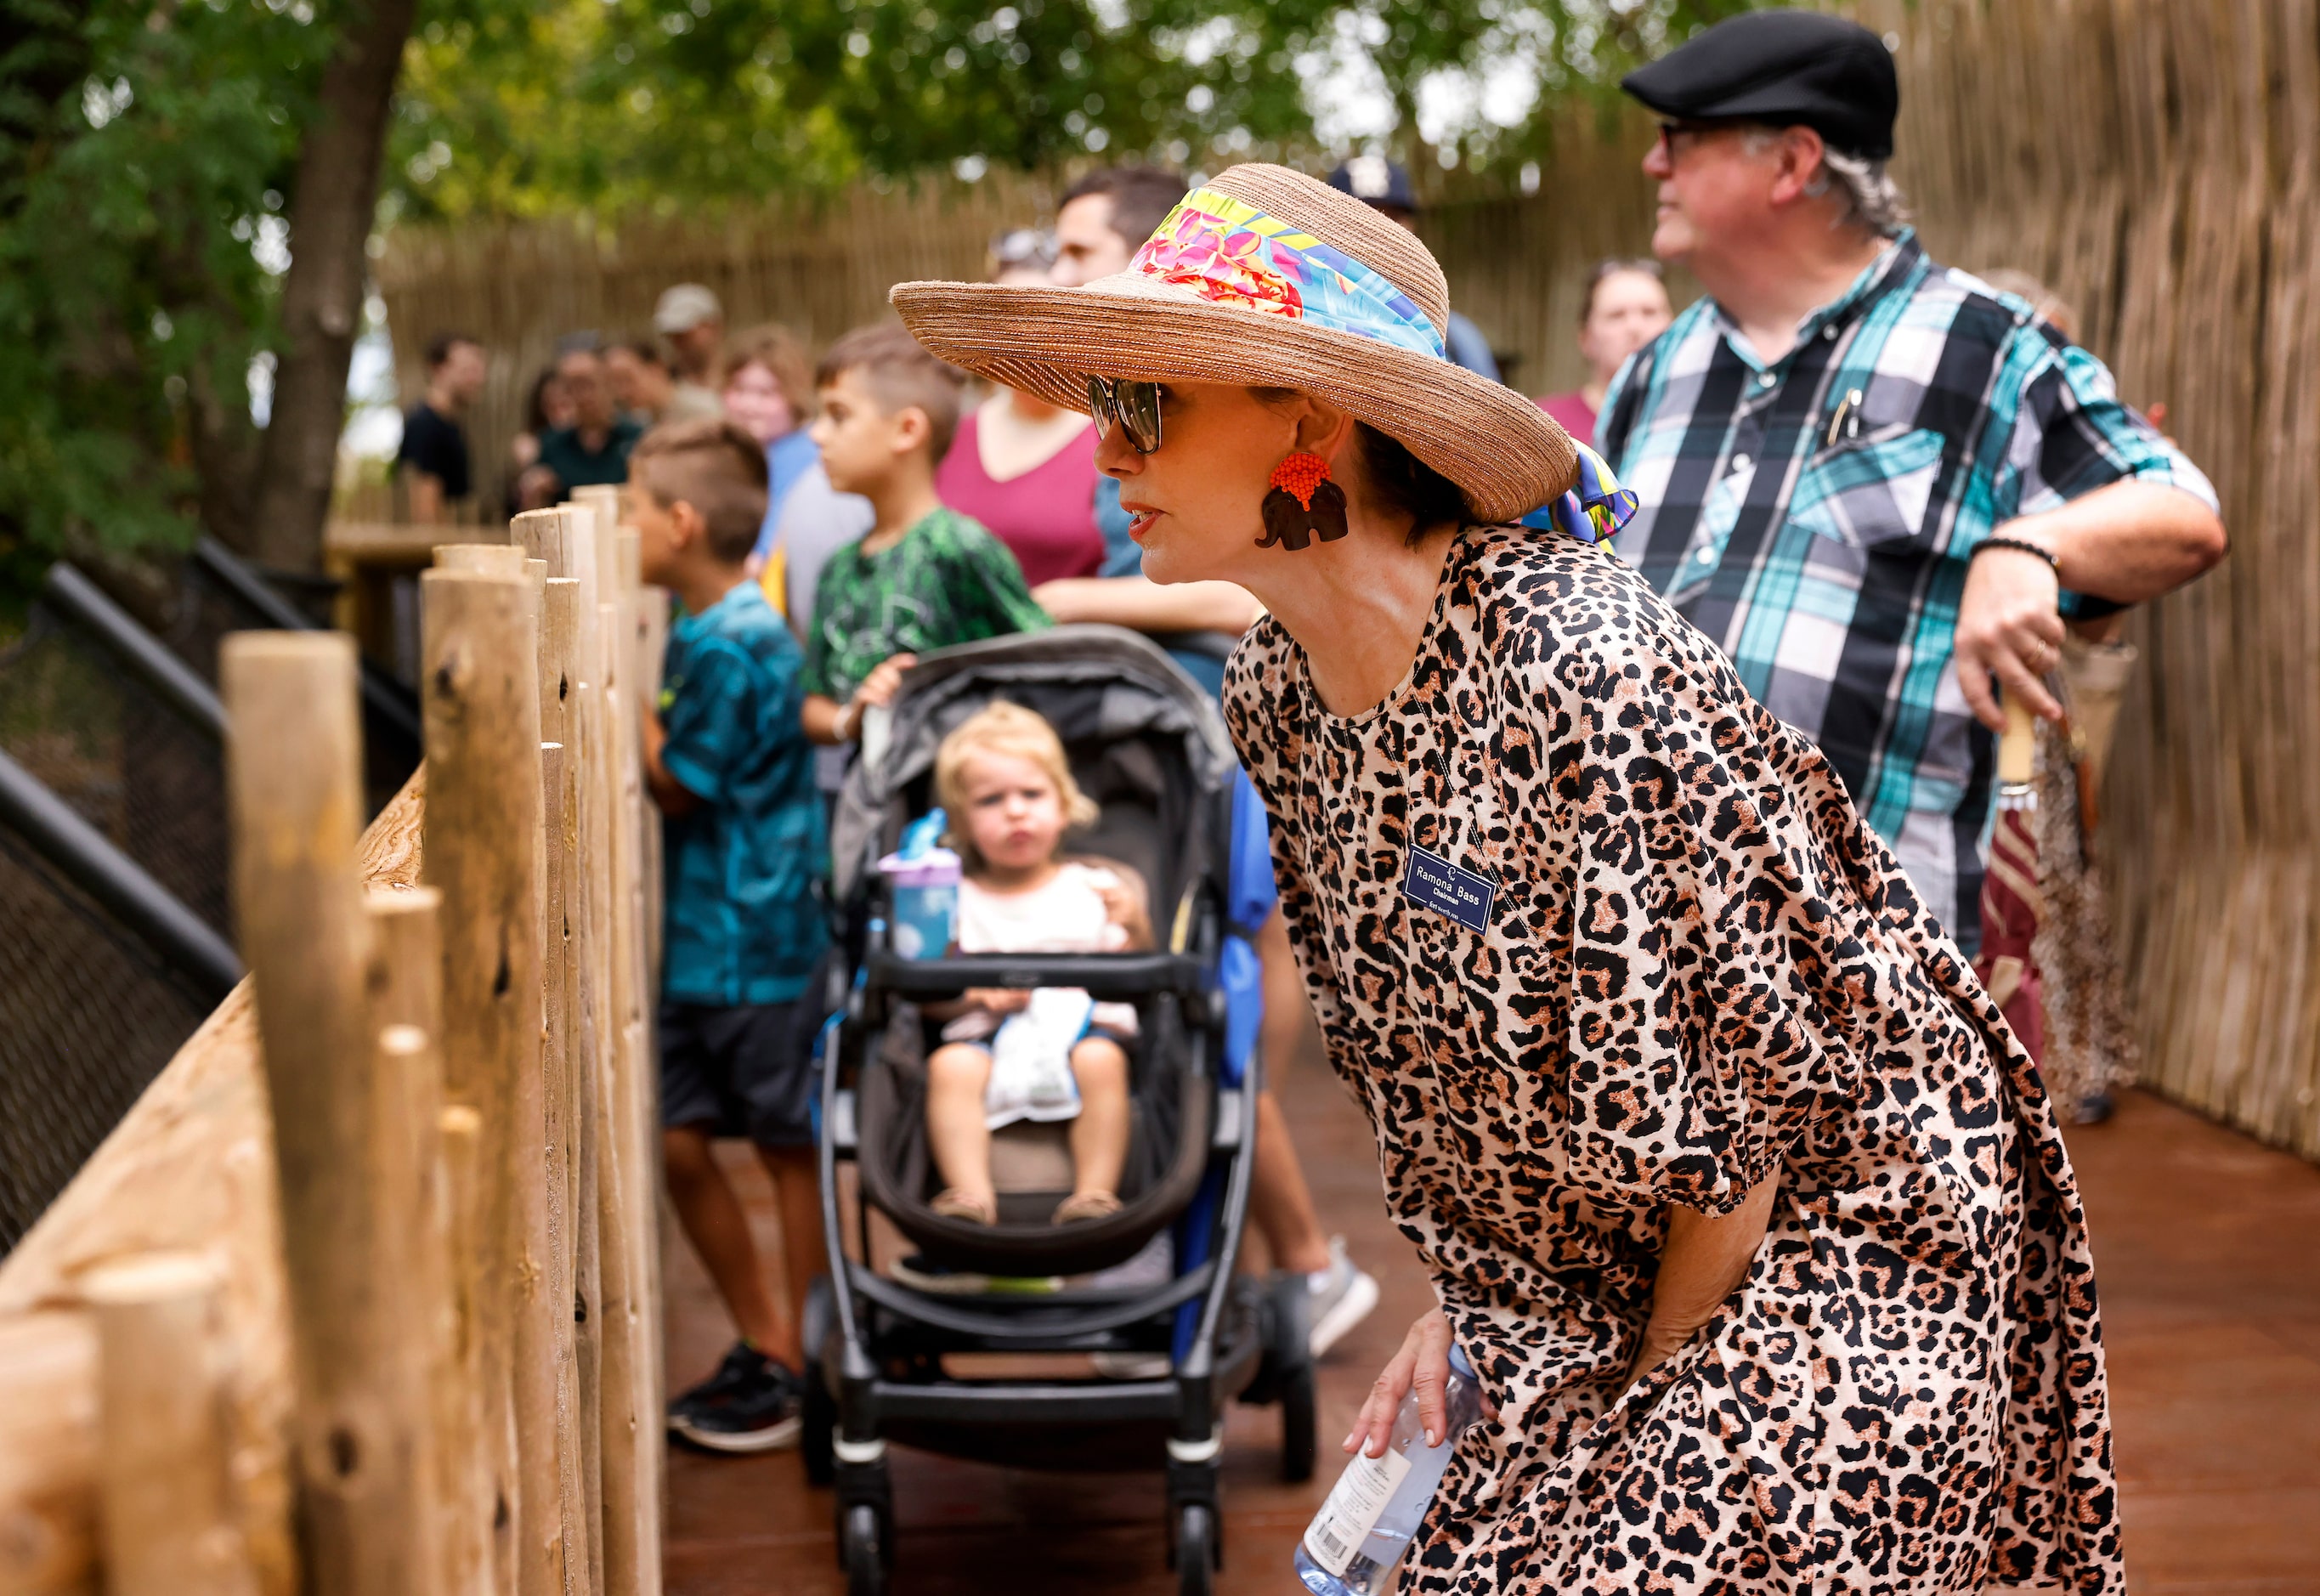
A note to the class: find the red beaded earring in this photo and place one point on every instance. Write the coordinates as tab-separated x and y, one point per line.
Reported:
1303	505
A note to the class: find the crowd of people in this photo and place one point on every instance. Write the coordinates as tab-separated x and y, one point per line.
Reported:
1876	490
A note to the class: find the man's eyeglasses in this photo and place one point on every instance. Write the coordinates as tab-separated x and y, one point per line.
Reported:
1676	137
1132	406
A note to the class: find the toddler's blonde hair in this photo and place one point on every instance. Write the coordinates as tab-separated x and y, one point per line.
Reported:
1000	727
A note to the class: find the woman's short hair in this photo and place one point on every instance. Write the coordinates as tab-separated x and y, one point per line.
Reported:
1612	267
713	466
1000	727
1398	480
781	352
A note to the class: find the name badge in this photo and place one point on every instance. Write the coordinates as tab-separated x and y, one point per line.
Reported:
1442	886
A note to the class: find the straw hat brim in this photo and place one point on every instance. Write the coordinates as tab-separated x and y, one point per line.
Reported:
1505	455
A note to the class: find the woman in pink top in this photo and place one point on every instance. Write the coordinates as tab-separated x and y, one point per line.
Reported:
1023	467
1626	307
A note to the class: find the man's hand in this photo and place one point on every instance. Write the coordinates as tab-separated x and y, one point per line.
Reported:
2008	627
878	689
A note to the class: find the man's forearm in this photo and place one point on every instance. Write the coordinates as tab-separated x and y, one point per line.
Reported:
1144	605
2128	542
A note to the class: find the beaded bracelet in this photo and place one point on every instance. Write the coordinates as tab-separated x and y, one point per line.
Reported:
2022	544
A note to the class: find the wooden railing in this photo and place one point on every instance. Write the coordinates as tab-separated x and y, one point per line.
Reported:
369	1302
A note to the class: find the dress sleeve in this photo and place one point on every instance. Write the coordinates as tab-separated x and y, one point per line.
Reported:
1711	974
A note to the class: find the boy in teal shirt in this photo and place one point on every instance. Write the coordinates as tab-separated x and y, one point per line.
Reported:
733	775
924	576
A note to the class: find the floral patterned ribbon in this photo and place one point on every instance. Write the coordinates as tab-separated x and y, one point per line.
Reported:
1229	252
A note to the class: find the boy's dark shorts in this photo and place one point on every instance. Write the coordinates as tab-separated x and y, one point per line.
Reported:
743	1071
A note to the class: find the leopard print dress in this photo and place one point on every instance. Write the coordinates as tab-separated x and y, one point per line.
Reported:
1696	969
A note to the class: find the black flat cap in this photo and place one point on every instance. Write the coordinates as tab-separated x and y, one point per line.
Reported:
1783	69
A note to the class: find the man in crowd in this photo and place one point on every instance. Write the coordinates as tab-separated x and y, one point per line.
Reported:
432	459
646	390
1876	483
692	323
595	448
1104	218
1383	185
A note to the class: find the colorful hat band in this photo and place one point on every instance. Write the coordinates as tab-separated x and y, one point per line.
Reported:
1229	252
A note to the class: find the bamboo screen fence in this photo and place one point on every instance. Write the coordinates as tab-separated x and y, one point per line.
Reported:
2156	161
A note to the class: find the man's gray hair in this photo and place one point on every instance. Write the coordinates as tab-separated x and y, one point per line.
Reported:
1867	196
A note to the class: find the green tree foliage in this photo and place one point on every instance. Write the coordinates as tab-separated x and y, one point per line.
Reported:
143	153
615	103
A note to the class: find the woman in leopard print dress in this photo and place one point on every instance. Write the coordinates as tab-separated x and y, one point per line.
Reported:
1733	1185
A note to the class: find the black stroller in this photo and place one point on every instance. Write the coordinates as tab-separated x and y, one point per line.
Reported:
1147	746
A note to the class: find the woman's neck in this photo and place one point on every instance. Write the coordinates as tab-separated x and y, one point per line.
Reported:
1358	607
1595	390
1011	882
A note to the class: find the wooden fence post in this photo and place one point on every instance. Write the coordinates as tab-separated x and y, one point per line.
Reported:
406	989
169	1524
295	773
489	560
557	541
628	1150
483	774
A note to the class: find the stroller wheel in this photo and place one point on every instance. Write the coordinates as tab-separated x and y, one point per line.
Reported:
1198	1553
1298	1424
862	1547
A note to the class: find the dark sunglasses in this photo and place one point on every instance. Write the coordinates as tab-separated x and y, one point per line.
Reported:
1132	406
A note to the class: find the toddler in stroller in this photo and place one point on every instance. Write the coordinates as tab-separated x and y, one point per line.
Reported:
1007	1054
1117	1337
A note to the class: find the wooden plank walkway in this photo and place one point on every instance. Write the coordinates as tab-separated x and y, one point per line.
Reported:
2209	1251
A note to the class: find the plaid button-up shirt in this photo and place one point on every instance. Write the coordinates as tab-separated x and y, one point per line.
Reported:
1814	516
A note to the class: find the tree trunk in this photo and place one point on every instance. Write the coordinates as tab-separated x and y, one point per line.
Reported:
330	209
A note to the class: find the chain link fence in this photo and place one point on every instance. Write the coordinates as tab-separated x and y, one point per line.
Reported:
88	1018
88	1013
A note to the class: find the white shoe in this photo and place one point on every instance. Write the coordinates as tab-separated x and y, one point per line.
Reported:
1338	1298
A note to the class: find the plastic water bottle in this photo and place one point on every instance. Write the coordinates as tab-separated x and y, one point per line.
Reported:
1360	1532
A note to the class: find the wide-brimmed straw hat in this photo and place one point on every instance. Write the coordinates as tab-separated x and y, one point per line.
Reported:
1269	278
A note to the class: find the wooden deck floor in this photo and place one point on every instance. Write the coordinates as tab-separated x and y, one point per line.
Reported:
2209	1252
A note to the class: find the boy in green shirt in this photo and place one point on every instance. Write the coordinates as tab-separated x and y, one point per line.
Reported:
924	576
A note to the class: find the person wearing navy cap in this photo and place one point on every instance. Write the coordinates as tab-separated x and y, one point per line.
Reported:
1877	484
1383	185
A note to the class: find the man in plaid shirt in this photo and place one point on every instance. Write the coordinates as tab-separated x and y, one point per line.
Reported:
1877	482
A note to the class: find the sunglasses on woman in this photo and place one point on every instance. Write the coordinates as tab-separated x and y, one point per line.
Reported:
1132	406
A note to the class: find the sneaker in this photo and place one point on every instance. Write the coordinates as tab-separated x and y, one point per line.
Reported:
1132	1365
750	1404
1336	1299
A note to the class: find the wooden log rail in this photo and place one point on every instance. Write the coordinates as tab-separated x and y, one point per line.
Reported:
367	1300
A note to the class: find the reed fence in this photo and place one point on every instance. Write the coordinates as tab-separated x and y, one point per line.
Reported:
2157	162
368	1302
